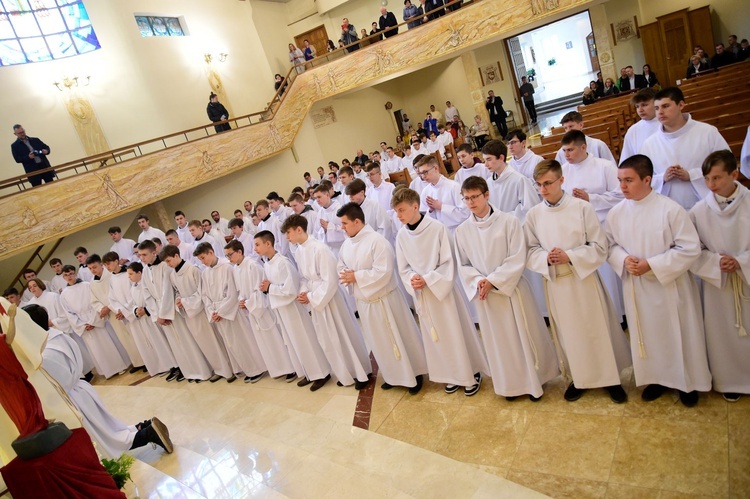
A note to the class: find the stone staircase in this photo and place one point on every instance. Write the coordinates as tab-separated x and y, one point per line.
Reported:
274	439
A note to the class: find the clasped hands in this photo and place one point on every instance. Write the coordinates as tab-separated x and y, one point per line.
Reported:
676	171
636	266
556	256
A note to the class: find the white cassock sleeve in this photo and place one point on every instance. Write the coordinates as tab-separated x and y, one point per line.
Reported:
76	322
683	251
611	196
617	254
440	279
118	303
324	290
505	277
588	257
193	303
288	287
254	302
371	281
228	305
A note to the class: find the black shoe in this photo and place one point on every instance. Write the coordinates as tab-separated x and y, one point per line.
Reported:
318	383
231	380
617	394
144	369
134	370
180	376
356	314
361	385
689	399
159	434
472	390
653	392
624	323
416	388
291	377
172	374
142	425
731	397
88	376
303	382
572	393
534	399
214	378
386	386
511	399
339	383
254	379
546	321
190	380
451	388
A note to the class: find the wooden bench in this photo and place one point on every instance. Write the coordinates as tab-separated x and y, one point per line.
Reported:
401	177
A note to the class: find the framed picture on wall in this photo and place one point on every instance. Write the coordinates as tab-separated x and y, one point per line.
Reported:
491	73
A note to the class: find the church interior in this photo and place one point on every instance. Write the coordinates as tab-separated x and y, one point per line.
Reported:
133	105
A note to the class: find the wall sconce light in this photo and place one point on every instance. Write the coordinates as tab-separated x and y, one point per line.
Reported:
222	57
68	83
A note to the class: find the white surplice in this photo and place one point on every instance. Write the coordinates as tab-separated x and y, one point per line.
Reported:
594	147
313	223
220	295
451	343
63	361
525	164
725	295
581	313
99	299
381	194
377	218
272	224
687	147
282	213
184	234
247	277
389	329
186	281
84	274
598	177
150	339
124	248
57	283
121	300
76	300
476	170
294	320
636	136
151	233
334	236
453	211
520	352
337	329
663	306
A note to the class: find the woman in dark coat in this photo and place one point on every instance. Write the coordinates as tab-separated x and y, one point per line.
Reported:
217	112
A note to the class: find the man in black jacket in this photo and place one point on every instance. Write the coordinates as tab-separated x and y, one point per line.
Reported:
722	57
632	80
388	20
32	154
497	113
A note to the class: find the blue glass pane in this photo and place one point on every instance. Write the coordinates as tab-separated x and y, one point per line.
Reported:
143	26
36	50
61	45
160	27
75	16
85	40
15	5
11	53
25	24
173	24
50	21
6	30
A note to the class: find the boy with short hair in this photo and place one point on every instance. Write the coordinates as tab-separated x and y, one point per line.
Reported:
121	246
375	216
330	226
653	244
81	255
335	325
379	190
510	192
574	121
648	125
522	160
724	266
427	268
297	203
57	283
283	287
465	155
566	245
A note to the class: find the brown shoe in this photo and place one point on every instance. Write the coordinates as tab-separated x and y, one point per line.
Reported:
318	383
303	382
163	435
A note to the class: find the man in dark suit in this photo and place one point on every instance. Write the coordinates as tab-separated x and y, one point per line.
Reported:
497	113
632	80
388	20
32	154
723	57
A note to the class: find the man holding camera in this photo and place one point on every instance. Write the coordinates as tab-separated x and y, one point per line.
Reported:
32	154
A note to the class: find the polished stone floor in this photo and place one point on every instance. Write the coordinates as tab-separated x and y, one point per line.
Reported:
275	439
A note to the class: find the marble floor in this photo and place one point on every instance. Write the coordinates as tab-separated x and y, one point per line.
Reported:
275	439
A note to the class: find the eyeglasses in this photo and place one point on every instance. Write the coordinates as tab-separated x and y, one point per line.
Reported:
545	184
424	172
471	199
514	142
230	255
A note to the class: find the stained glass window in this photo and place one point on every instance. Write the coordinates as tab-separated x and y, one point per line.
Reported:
41	30
159	26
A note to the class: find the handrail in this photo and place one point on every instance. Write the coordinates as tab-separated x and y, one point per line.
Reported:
137	148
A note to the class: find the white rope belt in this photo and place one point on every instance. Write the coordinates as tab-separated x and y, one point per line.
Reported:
396	351
739	297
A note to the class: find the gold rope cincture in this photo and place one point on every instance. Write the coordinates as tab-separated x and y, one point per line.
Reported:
739	297
641	344
528	333
396	351
555	339
433	332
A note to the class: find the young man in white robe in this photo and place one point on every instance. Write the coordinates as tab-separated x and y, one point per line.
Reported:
221	225
62	360
336	327
434	144
272	224
566	245
491	252
522	160
150	339
330	226
253	306
375	216
574	121
297	203
594	180
100	287
366	266
83	272
648	125
212	231
237	226
182	228
121	246
186	250
28	275
199	236
221	304
148	232
653	245
278	208
465	155
248	225
86	323
191	363
57	283
678	149
441	197
186	285
724	266
428	270
380	191
283	288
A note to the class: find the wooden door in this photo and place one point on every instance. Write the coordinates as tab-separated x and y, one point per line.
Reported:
318	38
676	43
701	29
591	44
652	50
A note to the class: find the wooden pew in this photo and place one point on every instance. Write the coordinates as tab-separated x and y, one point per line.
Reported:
401	177
441	164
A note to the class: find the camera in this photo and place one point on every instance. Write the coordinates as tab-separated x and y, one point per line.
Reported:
38	152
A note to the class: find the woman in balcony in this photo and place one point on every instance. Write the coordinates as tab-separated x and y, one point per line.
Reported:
297	58
217	112
309	52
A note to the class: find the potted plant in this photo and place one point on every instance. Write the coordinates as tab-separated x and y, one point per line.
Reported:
119	469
